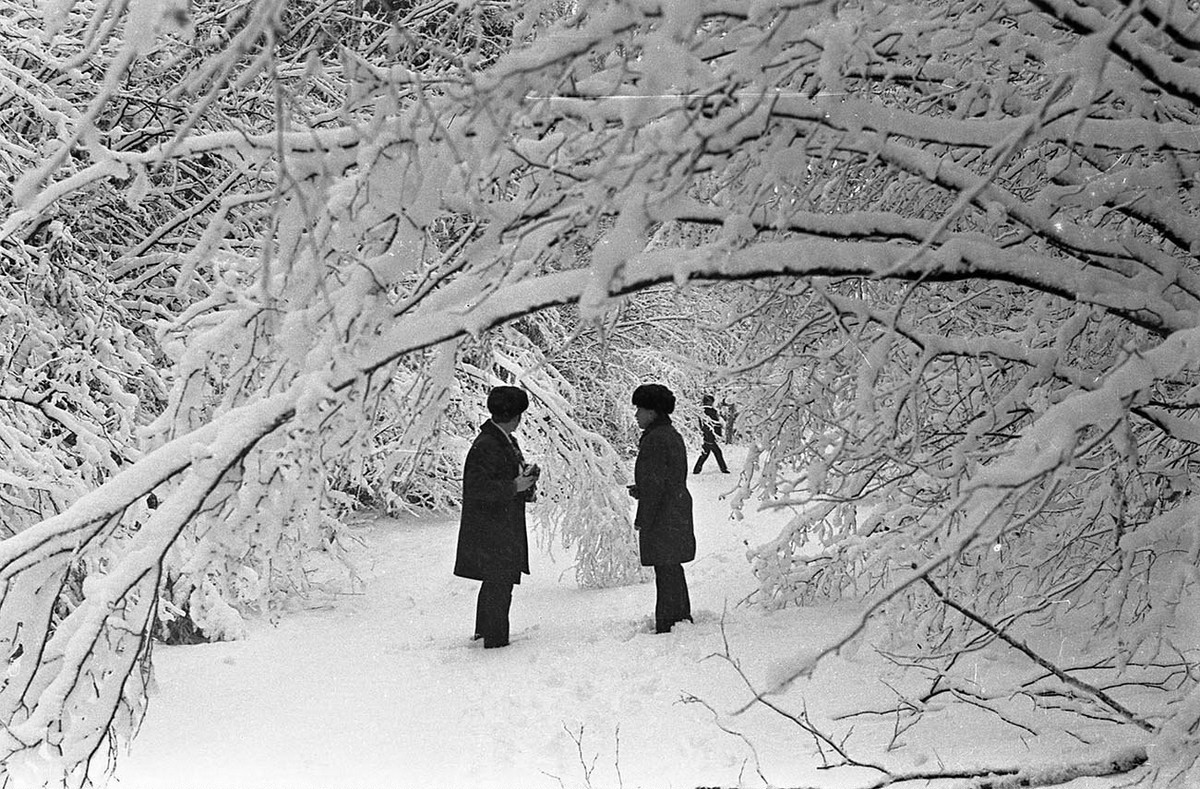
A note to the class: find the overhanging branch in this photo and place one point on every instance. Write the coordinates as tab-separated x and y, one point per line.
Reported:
1028	651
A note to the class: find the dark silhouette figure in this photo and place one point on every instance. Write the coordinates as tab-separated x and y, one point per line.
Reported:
492	543
664	512
710	428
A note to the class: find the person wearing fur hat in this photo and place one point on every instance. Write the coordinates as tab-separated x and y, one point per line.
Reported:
493	546
666	536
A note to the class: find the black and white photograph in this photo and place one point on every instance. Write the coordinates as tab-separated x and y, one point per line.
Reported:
599	394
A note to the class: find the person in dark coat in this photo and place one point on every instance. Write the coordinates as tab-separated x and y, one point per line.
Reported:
664	505
710	428
492	544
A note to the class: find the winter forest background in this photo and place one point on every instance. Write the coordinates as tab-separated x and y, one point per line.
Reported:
260	261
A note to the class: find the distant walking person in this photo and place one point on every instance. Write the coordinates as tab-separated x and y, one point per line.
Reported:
664	510
710	428
492	544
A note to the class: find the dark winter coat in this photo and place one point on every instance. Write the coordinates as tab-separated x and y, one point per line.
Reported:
492	543
664	510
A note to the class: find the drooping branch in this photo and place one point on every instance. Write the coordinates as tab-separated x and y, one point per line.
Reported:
1026	650
1120	762
1160	68
799	258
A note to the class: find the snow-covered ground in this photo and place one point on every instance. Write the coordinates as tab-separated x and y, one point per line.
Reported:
385	689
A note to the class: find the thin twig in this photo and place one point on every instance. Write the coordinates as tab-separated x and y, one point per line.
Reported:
1020	646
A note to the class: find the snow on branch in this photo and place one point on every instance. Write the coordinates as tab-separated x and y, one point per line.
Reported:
957	296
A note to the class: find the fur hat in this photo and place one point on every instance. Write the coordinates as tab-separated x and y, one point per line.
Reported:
656	397
506	403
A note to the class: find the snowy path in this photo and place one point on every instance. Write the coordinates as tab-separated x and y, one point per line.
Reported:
385	690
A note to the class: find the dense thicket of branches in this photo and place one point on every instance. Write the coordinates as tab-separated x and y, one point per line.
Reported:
267	257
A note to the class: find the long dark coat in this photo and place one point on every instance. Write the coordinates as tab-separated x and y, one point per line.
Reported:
492	543
664	510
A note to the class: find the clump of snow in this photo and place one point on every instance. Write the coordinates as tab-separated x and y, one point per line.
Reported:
216	618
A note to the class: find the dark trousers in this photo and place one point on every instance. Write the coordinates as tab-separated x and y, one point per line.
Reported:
671	603
491	613
715	449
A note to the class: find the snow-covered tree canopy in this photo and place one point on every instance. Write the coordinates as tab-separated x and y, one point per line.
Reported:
259	259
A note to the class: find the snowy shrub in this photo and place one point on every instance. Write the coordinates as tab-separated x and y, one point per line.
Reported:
217	619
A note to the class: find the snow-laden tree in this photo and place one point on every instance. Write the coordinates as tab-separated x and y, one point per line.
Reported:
955	245
214	212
